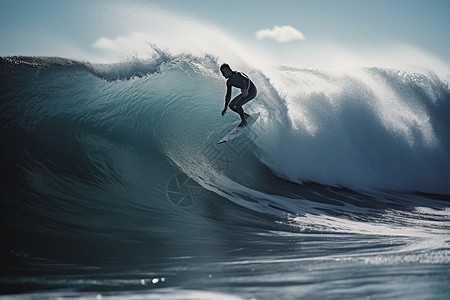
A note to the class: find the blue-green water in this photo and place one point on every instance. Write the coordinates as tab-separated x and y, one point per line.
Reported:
113	186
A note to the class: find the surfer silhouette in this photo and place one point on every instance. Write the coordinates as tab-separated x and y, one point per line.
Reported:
248	92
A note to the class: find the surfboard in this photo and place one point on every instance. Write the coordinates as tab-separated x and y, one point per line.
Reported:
237	131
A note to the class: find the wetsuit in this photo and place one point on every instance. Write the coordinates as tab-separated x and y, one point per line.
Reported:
241	81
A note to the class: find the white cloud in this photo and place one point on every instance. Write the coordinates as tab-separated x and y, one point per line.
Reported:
136	43
280	33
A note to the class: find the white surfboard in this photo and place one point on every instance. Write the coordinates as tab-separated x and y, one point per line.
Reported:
237	131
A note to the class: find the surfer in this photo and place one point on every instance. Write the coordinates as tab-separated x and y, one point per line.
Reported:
248	92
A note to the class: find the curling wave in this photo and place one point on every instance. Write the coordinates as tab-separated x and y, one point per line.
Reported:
106	146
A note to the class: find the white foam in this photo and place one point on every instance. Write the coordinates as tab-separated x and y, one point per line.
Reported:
364	129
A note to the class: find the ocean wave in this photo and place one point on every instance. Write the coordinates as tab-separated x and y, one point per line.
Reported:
83	138
366	129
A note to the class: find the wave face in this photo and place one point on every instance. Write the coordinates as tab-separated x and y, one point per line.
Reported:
116	166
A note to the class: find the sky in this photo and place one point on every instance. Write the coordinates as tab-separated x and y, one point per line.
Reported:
283	32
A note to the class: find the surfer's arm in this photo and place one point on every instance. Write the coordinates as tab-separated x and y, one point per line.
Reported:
228	96
227	99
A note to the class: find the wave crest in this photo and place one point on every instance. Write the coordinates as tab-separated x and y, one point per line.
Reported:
373	128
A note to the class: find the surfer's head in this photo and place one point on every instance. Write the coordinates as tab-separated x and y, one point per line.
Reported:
226	70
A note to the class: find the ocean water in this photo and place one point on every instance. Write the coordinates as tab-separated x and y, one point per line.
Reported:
113	186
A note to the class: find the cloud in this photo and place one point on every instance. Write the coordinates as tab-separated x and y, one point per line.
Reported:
135	42
280	33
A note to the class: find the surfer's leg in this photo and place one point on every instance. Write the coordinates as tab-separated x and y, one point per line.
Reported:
232	104
241	101
243	117
236	107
